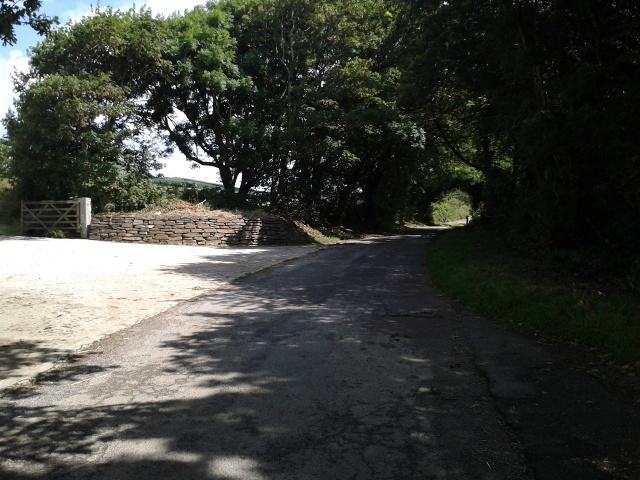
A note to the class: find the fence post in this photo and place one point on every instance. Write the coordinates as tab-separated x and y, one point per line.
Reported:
85	216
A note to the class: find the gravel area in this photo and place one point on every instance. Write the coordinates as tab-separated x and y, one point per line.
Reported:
58	295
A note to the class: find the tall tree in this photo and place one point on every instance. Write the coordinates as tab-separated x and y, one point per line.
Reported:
322	79
204	101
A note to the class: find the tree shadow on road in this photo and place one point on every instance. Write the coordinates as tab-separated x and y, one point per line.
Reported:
277	377
14	355
17	355
277	381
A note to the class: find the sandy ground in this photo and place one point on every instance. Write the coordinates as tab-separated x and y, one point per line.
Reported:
57	296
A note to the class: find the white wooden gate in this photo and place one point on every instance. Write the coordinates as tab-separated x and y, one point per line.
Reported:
65	215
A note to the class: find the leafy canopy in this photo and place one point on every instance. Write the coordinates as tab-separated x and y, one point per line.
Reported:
70	138
14	13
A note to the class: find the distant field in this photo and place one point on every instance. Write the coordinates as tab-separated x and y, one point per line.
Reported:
180	182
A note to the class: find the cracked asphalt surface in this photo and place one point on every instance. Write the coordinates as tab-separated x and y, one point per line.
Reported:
345	364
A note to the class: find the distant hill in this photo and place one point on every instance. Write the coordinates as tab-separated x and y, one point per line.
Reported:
182	182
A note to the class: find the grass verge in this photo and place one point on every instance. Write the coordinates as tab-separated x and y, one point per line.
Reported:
471	267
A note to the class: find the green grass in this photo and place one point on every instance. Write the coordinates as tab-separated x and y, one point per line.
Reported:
474	268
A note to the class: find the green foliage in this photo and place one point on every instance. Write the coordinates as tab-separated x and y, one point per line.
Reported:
126	46
202	102
4	158
130	193
298	97
70	138
58	234
450	207
79	128
9	201
471	267
15	13
342	151
222	199
9	209
214	196
540	98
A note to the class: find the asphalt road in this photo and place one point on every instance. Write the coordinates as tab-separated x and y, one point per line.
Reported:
345	364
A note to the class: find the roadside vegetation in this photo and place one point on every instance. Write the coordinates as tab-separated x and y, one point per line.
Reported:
9	200
9	209
450	207
545	295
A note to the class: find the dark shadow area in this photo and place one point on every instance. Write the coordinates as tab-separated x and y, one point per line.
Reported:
344	365
15	355
74	369
23	353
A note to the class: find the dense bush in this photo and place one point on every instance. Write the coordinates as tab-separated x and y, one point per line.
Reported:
450	207
218	198
129	193
9	208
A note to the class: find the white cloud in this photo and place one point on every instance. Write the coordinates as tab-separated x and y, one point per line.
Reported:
178	166
15	60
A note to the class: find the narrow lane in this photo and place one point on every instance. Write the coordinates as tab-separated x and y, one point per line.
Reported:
343	365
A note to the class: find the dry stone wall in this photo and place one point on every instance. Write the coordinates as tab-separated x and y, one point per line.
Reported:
201	230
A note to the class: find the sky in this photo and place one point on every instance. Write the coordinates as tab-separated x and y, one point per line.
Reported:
15	57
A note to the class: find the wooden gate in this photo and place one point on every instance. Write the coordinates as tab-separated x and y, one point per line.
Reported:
43	217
